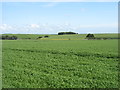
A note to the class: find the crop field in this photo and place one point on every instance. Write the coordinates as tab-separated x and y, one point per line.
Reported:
60	37
60	63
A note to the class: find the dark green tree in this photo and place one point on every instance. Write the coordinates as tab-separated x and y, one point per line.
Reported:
90	36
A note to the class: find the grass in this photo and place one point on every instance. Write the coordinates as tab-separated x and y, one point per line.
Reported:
61	37
60	63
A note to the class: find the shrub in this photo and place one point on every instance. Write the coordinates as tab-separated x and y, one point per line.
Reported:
39	37
46	36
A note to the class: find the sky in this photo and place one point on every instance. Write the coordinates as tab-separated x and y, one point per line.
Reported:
54	17
59	0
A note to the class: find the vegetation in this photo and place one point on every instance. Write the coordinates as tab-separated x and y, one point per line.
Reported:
6	37
39	37
90	36
59	63
62	33
46	36
63	37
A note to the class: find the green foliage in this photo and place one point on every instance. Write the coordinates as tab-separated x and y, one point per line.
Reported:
67	37
90	36
60	64
6	37
62	33
46	36
39	37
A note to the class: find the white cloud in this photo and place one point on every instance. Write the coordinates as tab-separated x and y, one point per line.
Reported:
55	28
5	26
34	26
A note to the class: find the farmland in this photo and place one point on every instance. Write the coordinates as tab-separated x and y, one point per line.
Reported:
57	62
60	37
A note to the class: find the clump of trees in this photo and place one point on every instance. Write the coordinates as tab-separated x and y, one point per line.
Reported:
6	37
90	36
62	33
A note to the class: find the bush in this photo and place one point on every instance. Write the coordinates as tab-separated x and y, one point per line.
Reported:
46	36
39	37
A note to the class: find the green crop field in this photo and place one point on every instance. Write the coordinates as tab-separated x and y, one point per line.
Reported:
60	63
59	37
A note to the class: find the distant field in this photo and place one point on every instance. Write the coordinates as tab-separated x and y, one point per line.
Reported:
59	37
60	63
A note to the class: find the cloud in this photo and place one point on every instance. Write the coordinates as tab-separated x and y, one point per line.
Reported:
34	26
5	26
55	28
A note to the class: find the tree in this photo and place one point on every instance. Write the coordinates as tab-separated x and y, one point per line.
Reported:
3	38
90	36
14	37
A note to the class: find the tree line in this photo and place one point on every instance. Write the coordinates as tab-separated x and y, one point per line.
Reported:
62	33
6	37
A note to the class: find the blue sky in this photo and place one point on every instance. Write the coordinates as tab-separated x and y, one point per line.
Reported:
54	17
